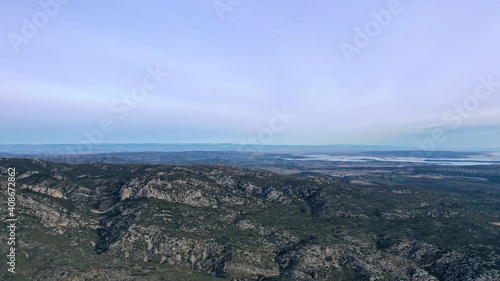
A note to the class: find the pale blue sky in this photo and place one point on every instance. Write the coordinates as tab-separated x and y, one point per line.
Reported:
228	74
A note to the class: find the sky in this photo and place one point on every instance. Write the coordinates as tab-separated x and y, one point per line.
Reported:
422	74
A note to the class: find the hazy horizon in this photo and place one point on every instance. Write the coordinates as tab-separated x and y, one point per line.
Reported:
74	147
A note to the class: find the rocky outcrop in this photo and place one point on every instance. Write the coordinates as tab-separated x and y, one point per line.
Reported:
424	259
187	191
44	190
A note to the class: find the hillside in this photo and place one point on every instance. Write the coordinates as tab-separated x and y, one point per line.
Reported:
215	222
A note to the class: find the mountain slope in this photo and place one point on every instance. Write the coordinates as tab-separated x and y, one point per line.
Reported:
144	222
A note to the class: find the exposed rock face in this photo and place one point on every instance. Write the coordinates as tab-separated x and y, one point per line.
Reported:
45	190
118	222
188	191
49	215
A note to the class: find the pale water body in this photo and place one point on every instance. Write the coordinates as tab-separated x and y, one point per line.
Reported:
489	159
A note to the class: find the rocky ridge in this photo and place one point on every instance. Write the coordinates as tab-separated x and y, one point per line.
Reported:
151	222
